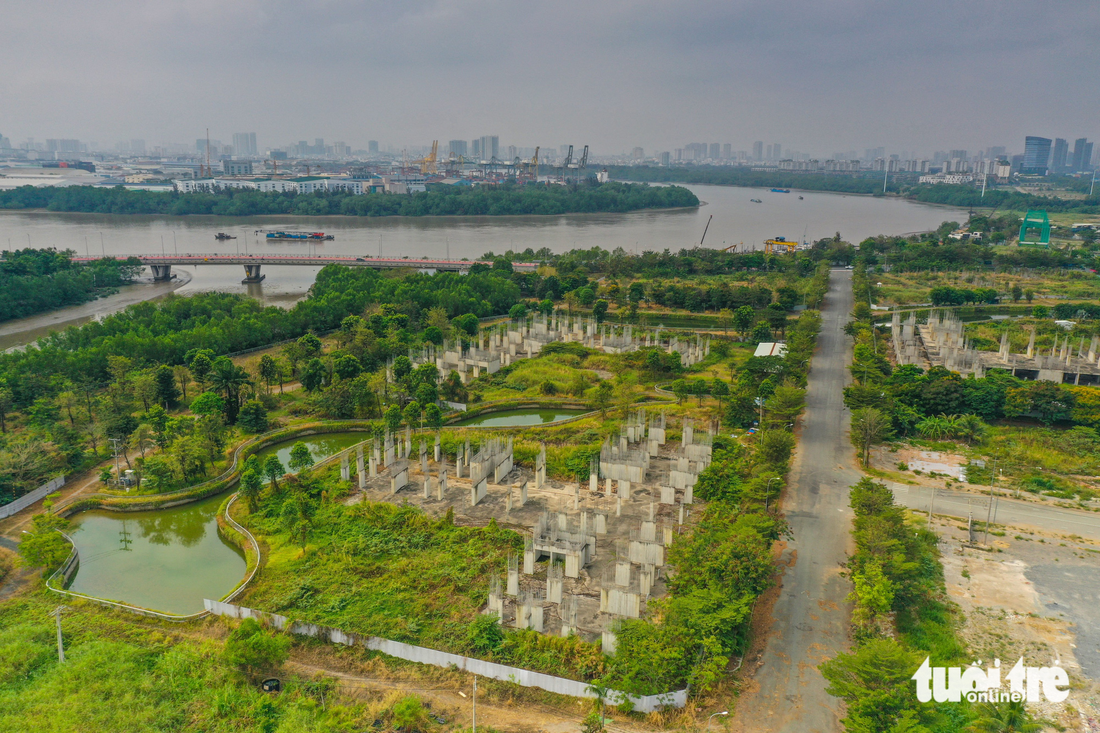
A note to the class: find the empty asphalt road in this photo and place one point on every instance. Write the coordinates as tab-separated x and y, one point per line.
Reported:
810	618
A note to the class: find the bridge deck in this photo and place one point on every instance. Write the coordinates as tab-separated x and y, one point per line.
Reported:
314	261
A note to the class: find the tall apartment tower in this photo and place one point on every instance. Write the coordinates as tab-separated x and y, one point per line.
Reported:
457	147
777	151
244	143
713	151
1082	154
726	154
1061	151
490	147
372	147
758	150
1036	155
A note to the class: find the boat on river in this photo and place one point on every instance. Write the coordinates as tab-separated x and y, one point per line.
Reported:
756	201
781	190
222	236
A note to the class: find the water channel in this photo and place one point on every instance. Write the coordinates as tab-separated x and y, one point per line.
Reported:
166	560
518	418
736	221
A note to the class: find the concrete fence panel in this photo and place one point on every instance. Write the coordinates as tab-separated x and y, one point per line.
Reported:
422	655
31	497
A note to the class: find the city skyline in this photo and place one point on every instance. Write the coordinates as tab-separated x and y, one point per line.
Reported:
822	78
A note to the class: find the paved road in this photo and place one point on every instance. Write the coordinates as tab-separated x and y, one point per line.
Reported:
811	615
1006	510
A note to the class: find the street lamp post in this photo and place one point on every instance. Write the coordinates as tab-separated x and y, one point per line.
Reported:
724	712
768	492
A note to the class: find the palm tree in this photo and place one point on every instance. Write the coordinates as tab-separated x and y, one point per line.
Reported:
970	428
1009	717
228	378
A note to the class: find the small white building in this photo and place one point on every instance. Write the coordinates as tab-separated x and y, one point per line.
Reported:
771	348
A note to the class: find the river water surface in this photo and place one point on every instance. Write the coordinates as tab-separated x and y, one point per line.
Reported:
736	221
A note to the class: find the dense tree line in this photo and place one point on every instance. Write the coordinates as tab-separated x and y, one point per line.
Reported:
729	175
37	280
502	200
869	182
932	251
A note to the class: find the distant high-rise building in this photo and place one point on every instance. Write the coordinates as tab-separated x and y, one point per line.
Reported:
512	154
1036	155
62	146
777	151
475	149
1059	158
457	147
137	147
244	144
758	150
666	159
768	154
960	154
1081	159
726	151
372	147
995	152
490	147
637	153
713	151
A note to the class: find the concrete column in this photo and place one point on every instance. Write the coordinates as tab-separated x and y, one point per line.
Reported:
161	273
252	274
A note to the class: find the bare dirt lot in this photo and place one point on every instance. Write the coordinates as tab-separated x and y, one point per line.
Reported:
1036	596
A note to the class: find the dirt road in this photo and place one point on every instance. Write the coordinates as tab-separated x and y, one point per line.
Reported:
810	617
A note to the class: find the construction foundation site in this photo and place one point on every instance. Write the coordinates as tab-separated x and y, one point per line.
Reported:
942	341
594	550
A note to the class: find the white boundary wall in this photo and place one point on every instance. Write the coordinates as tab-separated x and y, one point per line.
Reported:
522	677
27	499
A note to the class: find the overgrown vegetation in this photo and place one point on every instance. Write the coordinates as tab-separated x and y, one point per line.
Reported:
502	200
37	280
119	676
901	615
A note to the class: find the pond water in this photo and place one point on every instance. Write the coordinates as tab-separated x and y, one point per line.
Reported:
166	560
518	418
320	446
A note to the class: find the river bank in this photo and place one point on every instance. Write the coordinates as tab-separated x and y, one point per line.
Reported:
19	332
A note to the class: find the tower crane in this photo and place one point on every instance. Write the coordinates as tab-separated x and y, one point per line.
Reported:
566	162
584	158
535	162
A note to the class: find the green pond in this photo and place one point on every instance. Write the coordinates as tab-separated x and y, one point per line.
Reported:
166	560
519	418
320	446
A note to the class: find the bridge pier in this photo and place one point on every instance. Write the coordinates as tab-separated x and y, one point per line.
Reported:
252	274
161	273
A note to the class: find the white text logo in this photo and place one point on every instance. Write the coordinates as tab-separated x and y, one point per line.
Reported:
952	684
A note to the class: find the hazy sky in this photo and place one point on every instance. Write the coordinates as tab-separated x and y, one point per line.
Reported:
832	75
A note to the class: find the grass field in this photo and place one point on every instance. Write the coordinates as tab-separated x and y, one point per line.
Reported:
905	288
120	675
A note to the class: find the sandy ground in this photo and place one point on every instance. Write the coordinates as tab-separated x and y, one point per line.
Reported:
1035	595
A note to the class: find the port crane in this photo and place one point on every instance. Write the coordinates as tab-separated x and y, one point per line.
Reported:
428	164
779	245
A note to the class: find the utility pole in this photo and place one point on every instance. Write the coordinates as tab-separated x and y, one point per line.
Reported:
475	704
56	613
931	503
989	512
118	471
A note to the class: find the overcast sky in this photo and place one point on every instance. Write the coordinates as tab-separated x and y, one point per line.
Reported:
819	77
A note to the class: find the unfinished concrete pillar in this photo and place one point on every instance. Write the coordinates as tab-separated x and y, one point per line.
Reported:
345	467
513	576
